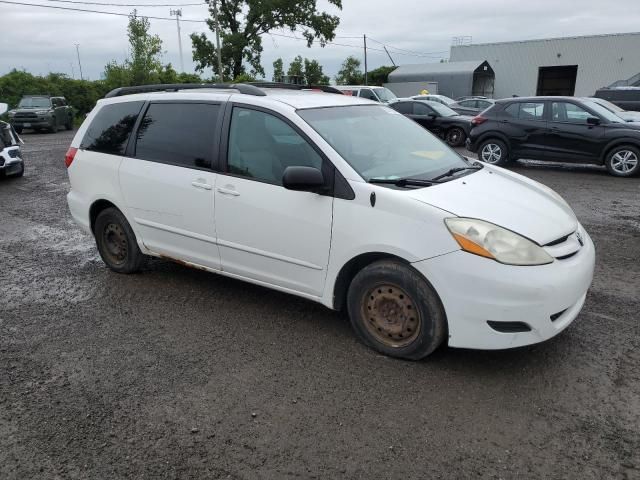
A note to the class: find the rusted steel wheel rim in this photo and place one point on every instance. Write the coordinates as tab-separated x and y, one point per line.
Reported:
391	315
115	242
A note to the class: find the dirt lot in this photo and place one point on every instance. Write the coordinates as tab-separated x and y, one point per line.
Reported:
177	373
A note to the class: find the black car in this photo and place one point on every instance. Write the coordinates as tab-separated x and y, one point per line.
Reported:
437	118
564	129
624	97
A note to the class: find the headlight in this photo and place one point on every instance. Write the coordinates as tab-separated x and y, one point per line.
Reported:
11	113
491	241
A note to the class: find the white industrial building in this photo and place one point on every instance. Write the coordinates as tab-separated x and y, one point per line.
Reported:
556	66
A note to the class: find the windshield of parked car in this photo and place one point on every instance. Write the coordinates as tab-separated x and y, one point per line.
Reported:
34	102
385	95
443	110
380	143
607	104
603	112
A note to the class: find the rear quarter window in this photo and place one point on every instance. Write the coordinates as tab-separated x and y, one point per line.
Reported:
111	128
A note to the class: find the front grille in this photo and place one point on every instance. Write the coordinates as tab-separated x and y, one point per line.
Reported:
564	257
558	241
509	327
1	162
564	247
25	115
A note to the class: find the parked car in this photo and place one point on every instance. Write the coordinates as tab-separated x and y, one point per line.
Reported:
472	106
437	118
41	112
334	199
562	129
377	94
469	97
435	98
11	162
623	114
624	97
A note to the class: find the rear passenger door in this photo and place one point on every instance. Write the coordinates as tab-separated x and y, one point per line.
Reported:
525	124
167	180
265	232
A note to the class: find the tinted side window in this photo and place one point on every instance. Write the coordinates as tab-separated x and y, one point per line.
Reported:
261	146
512	110
531	111
402	107
421	109
178	133
111	127
568	112
368	94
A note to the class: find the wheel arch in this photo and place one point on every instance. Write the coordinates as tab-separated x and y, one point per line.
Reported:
493	134
97	207
618	142
350	269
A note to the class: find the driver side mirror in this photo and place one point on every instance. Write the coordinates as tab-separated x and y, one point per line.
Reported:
593	121
433	115
303	179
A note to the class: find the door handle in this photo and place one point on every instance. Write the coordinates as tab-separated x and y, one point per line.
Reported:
204	186
227	191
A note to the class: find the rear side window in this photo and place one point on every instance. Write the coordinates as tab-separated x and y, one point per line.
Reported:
110	129
368	94
526	111
178	134
403	107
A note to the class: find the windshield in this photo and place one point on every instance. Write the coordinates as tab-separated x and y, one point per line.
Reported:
385	95
608	105
443	109
603	112
34	102
380	143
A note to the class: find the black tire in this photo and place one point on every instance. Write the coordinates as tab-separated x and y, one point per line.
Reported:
455	137
116	242
53	128
69	124
395	311
493	152
18	130
623	161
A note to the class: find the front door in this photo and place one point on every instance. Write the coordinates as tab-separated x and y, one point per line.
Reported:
167	181
570	138
266	232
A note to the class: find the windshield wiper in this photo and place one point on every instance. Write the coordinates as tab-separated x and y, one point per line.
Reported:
453	171
404	182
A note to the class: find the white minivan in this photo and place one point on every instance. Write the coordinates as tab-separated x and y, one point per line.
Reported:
335	199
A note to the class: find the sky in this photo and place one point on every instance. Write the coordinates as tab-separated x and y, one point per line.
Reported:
42	40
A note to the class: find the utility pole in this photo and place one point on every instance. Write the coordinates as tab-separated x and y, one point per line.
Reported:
366	80
73	71
79	64
178	13
219	53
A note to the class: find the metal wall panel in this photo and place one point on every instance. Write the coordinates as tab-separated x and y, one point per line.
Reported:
601	60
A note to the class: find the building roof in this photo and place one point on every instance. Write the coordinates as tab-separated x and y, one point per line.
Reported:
418	72
551	39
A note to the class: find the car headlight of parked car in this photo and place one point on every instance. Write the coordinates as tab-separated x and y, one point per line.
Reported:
491	241
11	113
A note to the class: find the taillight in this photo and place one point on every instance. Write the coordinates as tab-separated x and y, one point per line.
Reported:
478	120
68	158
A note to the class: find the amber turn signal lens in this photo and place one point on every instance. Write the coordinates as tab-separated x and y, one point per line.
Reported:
471	247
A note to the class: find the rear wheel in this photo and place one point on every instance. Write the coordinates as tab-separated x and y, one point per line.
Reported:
494	152
116	242
394	310
623	161
455	137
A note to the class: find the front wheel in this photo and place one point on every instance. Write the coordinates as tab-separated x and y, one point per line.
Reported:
494	152
116	242
394	310
623	161
455	137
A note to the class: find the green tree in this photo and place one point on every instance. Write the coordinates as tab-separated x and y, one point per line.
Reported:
242	22
296	68
313	74
350	73
278	70
380	75
146	51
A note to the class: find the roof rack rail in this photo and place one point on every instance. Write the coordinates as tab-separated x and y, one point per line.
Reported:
245	88
293	86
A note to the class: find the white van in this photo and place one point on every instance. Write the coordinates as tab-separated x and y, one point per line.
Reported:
377	94
334	199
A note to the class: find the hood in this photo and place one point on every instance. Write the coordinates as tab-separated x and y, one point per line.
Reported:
629	116
505	199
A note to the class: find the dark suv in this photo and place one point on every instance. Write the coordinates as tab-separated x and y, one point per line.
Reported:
41	112
561	129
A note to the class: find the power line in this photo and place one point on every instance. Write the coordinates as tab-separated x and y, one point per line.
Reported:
426	54
129	4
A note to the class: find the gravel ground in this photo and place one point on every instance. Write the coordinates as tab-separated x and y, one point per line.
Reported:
181	374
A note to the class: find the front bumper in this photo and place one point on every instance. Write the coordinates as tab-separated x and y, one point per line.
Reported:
30	122
469	145
11	160
476	290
